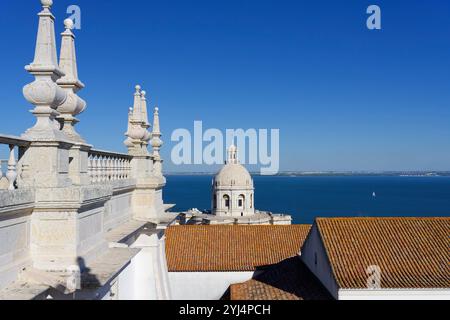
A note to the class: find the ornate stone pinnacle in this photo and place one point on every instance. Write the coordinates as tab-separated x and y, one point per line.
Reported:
137	108
156	144
156	133
74	105
144	109
43	92
136	132
145	123
129	142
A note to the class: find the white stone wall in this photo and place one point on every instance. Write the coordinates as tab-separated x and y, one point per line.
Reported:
14	248
118	209
15	213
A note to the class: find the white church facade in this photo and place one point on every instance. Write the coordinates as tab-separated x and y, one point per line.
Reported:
233	199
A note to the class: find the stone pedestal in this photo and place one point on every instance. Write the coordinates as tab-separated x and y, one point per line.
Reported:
147	197
45	165
67	225
148	202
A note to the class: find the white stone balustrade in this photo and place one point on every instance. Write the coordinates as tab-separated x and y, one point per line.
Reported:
107	166
11	164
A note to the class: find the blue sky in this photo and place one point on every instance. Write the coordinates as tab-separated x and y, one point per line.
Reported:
343	97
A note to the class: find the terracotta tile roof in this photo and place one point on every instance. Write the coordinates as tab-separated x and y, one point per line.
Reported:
256	290
288	280
411	252
224	248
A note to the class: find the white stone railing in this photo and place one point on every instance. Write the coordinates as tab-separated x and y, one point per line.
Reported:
8	177
108	166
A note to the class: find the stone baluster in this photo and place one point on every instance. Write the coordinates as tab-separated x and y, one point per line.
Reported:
110	169
121	169
128	170
105	168
91	168
11	174
94	169
113	168
124	169
98	169
116	169
118	174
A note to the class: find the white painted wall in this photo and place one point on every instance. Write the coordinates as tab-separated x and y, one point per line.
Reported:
204	285
394	294
146	277
322	270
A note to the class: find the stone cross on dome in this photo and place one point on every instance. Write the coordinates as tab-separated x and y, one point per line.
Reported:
232	155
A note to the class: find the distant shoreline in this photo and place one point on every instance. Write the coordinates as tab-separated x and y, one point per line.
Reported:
334	174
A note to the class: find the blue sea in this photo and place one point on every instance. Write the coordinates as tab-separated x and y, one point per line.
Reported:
306	198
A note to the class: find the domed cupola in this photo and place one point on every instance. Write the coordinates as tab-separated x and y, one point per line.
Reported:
233	191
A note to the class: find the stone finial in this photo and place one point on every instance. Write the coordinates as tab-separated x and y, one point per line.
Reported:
74	105
156	127
145	123
68	58
137	107
44	93
157	143
129	142
144	108
47	3
68	23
